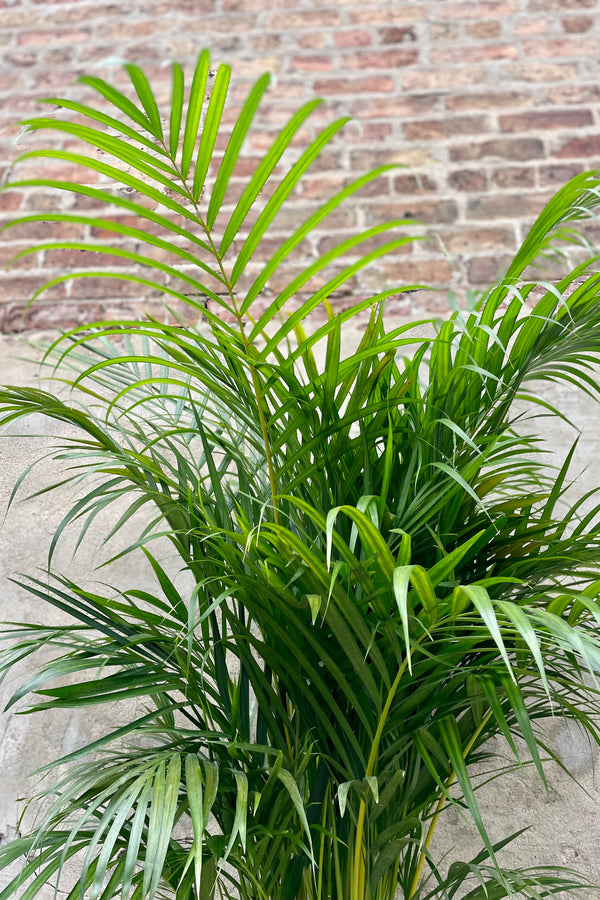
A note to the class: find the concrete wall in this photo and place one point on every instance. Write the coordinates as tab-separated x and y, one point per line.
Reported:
566	822
490	105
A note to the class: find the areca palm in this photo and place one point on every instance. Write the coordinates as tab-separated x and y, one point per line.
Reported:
380	582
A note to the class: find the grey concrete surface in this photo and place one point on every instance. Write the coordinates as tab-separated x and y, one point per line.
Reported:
566	820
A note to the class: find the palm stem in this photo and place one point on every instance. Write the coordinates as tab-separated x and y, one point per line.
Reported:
439	808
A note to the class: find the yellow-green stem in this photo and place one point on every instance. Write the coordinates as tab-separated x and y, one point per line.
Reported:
439	807
358	868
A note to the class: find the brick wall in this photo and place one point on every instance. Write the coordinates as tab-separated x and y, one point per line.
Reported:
489	104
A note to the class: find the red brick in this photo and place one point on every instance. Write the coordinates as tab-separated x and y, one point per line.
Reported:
503	206
556	175
532	26
330	242
312	40
584	146
364	160
488	100
514	176
380	14
487	269
542	121
377	84
544	72
67	260
475	53
444	31
482	9
573	47
45	231
578	25
429	211
397	35
21	58
24	287
395	107
367	132
560	5
10	200
9	251
385	59
313	18
253	5
354	38
93	288
43	38
468	180
404	272
414	184
290	218
517	149
484	30
435	129
462	239
433	79
312	63
574	93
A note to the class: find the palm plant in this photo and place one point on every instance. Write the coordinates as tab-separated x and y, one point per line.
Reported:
379	582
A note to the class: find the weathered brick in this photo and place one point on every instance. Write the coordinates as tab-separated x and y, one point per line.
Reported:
330	242
15	287
584	146
444	31
10	201
376	84
514	176
396	106
312	40
57	36
461	76
475	53
577	25
571	47
484	30
488	100
437	272
45	231
468	180
320	63
435	129
366	132
9	251
357	37
574	93
427	211
560	5
542	121
485	270
398	35
385	59
544	72
503	206
432	79
483	9
556	175
310	19
414	184
532	26
463	238
517	149
378	14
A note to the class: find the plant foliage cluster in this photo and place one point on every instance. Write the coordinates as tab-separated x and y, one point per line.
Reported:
382	573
